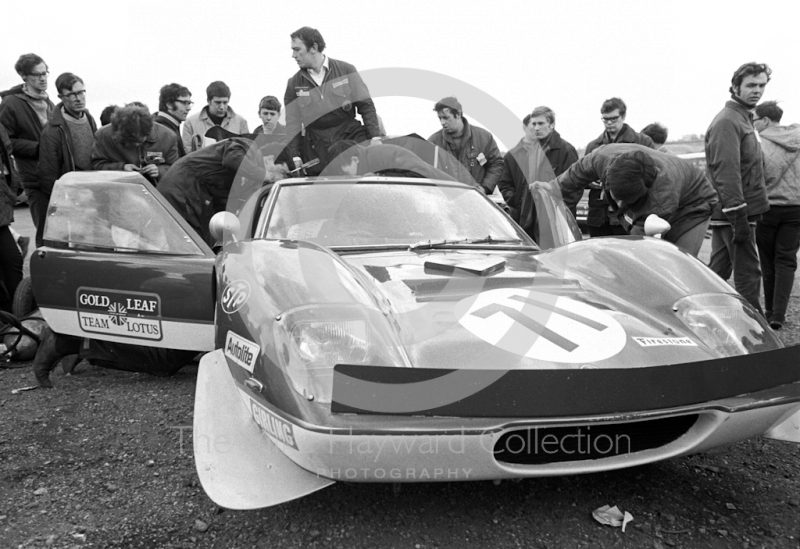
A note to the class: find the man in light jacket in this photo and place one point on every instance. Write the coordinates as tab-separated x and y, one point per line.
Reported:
217	112
778	230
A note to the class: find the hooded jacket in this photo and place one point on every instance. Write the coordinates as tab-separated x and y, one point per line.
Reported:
781	148
24	129
734	163
680	193
55	149
598	205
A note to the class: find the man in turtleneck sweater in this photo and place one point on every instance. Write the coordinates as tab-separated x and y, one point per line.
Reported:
67	139
24	112
734	167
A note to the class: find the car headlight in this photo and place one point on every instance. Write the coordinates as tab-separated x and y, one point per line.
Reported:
727	324
312	339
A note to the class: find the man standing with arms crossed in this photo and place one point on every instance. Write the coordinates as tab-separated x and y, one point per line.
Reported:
734	167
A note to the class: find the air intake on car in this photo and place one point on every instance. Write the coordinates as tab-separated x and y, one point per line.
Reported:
540	445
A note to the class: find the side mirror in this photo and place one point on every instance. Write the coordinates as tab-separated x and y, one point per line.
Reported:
222	222
656	226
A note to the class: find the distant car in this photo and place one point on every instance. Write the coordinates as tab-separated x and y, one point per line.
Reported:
381	329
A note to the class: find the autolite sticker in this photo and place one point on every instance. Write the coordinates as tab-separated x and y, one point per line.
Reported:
127	314
660	341
274	426
241	351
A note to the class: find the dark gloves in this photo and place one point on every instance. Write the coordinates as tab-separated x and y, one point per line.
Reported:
739	224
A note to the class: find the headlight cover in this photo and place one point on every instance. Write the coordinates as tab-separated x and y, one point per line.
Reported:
727	324
312	339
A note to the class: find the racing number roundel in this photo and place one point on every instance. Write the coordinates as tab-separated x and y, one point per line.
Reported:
235	294
541	326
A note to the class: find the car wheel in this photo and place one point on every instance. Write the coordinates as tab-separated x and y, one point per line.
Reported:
24	303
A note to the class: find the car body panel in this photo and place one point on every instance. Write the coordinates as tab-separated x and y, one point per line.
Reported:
119	264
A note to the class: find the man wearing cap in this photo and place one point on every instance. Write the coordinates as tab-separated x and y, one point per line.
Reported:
734	167
640	181
472	147
323	97
216	113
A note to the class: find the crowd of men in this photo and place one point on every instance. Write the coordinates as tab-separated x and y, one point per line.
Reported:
755	220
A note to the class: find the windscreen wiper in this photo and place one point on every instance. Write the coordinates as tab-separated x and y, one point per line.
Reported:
431	244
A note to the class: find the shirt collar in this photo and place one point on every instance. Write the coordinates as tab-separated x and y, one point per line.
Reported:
322	70
169	117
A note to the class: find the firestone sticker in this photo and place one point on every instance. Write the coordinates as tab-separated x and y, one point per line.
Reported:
241	351
661	341
126	314
541	326
274	426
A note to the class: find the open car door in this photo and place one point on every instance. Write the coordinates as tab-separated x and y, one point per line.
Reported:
120	264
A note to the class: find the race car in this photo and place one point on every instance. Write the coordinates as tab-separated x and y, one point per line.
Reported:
380	329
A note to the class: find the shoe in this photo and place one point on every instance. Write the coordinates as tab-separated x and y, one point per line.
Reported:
777	320
46	358
23	242
68	364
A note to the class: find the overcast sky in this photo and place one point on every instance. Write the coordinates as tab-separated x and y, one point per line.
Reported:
671	61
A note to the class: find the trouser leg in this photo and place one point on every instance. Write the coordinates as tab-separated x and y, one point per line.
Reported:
692	240
37	203
747	270
787	243
720	260
10	268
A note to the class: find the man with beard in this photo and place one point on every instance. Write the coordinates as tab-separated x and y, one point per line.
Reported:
734	167
323	97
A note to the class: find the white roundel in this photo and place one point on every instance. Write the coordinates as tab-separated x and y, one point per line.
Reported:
541	326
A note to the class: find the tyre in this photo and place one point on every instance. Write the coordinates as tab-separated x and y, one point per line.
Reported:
24	303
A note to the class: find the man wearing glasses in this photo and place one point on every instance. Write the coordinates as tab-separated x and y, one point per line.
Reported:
616	131
174	104
67	139
24	112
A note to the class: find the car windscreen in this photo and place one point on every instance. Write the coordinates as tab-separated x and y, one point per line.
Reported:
384	213
116	216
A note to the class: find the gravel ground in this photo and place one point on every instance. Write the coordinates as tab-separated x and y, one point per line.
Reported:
105	460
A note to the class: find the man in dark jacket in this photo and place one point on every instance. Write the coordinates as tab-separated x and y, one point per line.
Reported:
323	96
350	158
24	112
734	167
472	147
134	143
642	181
199	184
613	112
524	164
174	104
67	139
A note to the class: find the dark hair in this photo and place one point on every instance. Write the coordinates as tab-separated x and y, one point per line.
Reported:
138	104
131	124
613	104
280	151
450	103
269	102
526	120
169	94
217	88
66	80
105	116
657	132
748	69
340	153
309	36
26	62
771	110
630	176
547	112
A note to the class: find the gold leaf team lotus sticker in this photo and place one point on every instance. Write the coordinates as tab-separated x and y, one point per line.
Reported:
126	314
